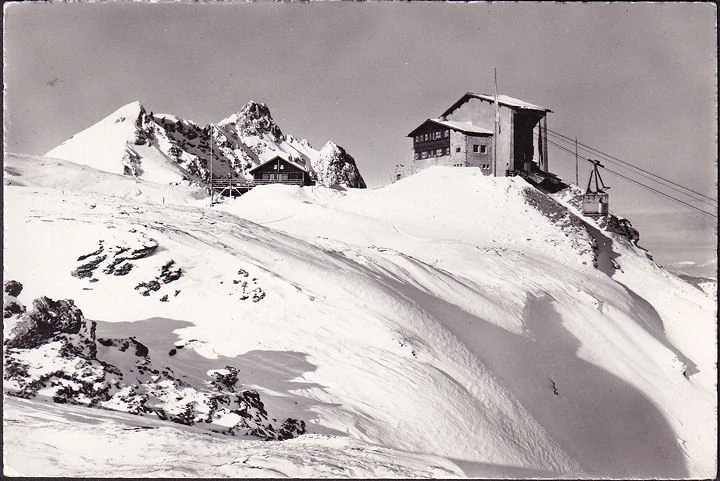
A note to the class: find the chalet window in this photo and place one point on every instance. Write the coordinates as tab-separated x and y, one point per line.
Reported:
447	150
439	152
282	166
457	149
447	133
275	167
483	149
424	155
417	156
475	148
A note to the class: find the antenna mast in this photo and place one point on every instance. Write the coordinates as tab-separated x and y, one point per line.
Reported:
577	181
495	131
212	140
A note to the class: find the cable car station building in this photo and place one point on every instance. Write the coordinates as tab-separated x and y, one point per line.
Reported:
463	137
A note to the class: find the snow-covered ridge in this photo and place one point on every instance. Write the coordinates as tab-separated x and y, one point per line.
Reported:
448	324
165	148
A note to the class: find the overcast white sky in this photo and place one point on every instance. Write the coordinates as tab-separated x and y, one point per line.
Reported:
636	80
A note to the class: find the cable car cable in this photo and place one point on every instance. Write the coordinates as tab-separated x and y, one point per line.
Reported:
636	173
591	149
635	181
659	182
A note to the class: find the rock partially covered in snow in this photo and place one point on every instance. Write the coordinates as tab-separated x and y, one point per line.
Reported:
620	226
11	306
254	119
50	321
52	351
335	167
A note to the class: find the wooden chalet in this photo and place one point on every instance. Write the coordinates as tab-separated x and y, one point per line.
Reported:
279	170
275	170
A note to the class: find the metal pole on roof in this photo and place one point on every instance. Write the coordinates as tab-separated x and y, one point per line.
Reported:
577	182
212	139
495	131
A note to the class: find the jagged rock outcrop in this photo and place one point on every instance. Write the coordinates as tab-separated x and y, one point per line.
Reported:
51	321
11	306
52	351
336	167
620	226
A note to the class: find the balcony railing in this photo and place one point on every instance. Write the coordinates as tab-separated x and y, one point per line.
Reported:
247	184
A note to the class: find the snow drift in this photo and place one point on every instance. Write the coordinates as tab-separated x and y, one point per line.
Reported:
449	324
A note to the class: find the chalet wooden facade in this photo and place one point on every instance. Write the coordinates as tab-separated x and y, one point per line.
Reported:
276	170
465	135
279	170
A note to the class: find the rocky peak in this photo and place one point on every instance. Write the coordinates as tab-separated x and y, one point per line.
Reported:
254	119
336	167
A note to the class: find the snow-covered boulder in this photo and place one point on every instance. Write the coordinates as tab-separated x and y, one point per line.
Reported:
11	306
50	321
335	167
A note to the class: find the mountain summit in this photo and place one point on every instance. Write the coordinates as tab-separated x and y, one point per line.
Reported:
165	148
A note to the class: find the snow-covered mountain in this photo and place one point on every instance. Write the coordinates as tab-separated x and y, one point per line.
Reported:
449	324
164	148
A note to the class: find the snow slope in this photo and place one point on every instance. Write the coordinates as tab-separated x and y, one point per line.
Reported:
448	324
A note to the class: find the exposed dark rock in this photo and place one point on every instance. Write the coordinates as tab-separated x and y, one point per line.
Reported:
145	251
48	319
147	287
620	226
96	253
12	288
12	308
225	381
290	428
87	269
168	274
123	269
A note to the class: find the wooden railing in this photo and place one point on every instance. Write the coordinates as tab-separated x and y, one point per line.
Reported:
268	181
247	184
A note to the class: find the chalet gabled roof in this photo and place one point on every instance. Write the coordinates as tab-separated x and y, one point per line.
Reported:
465	127
502	100
274	159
